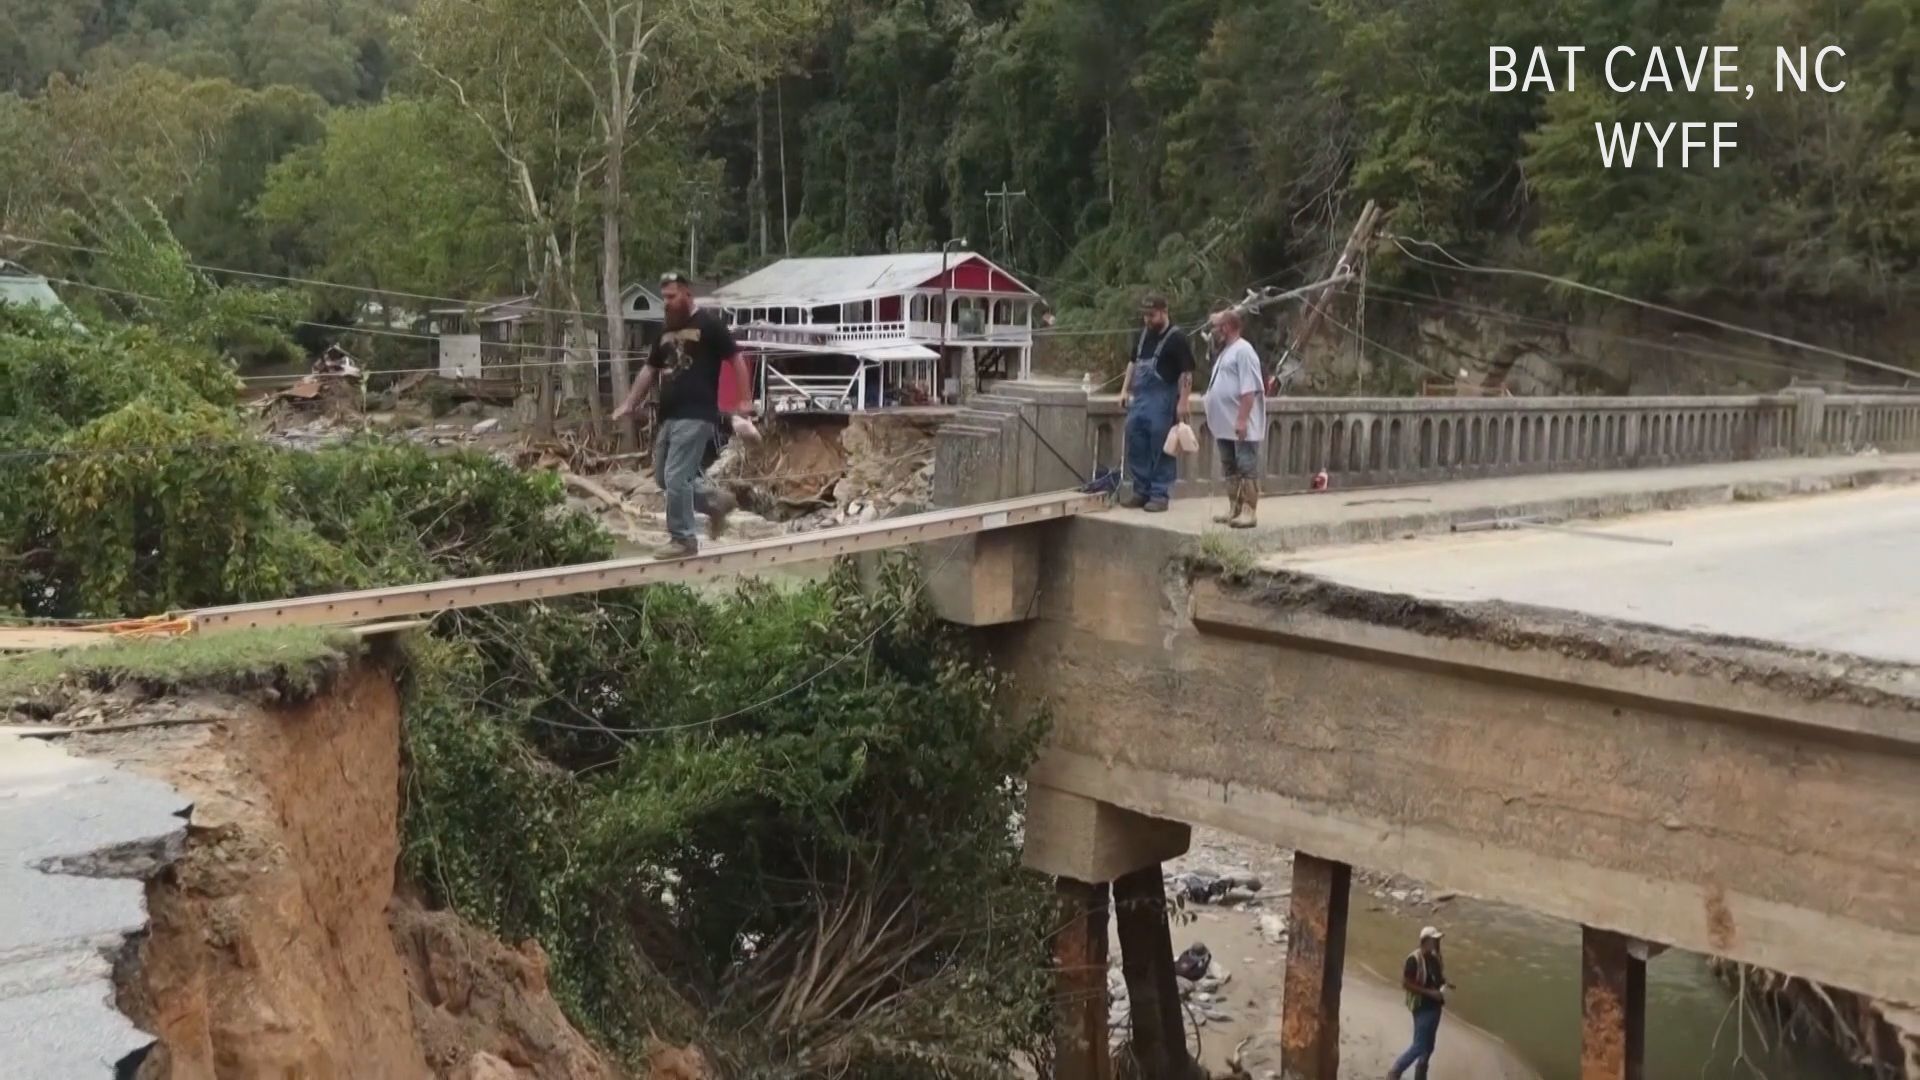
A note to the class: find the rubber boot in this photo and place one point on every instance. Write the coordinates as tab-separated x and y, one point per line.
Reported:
1233	504
1249	505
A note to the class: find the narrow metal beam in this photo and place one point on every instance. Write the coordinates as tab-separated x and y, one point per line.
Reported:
1159	1044
1316	957
429	597
1613	1007
1080	983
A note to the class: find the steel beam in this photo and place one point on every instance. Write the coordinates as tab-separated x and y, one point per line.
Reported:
335	609
1153	991
1080	977
1613	1007
1316	956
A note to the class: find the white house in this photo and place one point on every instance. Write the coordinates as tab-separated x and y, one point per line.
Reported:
870	331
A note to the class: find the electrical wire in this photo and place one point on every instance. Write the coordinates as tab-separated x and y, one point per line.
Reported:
1367	342
291	280
1421	300
1458	265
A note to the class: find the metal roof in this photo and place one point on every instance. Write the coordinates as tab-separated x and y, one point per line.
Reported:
807	282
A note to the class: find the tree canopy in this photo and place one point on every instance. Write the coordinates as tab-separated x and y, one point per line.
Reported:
1193	145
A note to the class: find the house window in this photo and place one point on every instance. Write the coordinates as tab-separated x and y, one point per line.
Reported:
826	315
860	311
1003	313
917	309
795	316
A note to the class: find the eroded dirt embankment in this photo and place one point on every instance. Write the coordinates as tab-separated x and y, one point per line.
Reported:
281	943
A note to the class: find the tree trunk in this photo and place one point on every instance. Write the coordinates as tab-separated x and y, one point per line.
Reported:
760	201
543	389
611	283
780	118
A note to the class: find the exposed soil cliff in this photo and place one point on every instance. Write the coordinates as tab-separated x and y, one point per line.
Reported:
278	943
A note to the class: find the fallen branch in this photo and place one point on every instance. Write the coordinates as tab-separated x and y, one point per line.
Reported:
109	729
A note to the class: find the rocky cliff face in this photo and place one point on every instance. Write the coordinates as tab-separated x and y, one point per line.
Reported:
1613	350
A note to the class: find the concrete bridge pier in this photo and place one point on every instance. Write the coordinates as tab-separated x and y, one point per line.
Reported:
1104	858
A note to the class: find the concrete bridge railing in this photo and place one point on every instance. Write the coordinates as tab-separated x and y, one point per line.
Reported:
1368	441
1026	438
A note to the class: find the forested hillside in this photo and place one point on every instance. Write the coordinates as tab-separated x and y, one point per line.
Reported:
450	147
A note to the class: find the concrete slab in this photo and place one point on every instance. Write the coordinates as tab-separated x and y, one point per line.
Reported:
77	839
1827	573
1295	522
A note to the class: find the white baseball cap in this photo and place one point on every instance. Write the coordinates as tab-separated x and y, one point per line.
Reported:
1429	932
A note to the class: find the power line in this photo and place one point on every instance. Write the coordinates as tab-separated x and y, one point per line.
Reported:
778	354
1458	265
312	282
1366	342
1420	300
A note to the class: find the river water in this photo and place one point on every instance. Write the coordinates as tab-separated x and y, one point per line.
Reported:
1519	978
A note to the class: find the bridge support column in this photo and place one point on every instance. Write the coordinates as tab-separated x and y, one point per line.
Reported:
1153	993
1316	956
1613	1005
1080	983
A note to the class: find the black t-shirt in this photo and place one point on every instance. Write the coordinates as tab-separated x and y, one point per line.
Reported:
689	360
1425	971
1176	358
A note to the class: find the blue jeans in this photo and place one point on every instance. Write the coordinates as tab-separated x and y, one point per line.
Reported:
679	467
1426	1029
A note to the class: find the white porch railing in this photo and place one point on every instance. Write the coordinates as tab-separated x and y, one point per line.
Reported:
816	393
868	332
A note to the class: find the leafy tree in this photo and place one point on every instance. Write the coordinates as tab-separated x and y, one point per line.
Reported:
334	48
403	196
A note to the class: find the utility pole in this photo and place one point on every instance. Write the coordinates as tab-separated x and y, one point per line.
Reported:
1350	256
1006	216
696	199
693	244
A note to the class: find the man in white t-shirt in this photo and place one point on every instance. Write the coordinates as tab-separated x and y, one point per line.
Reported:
1237	417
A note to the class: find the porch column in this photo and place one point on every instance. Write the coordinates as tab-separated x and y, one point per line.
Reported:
1080	982
969	374
1613	1007
1316	956
1153	993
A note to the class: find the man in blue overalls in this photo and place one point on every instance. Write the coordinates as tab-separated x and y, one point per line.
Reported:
1154	392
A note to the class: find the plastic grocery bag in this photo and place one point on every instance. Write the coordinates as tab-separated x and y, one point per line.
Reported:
1182	440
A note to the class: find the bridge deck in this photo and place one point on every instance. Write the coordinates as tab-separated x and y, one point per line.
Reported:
1832	572
1347	516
